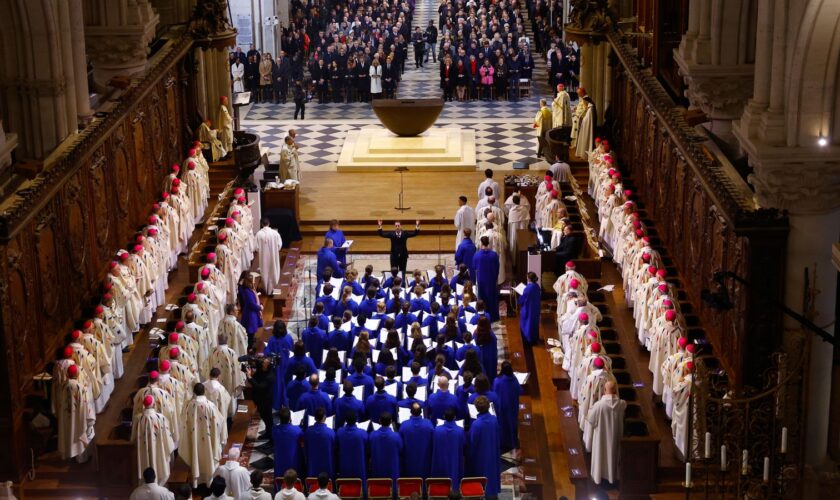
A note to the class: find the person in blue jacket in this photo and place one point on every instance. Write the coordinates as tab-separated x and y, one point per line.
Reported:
483	450
508	390
416	434
288	443
448	444
320	446
529	310
386	447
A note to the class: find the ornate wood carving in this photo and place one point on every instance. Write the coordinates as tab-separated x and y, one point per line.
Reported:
58	234
705	216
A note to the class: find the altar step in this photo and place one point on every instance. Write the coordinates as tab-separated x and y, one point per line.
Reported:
427	243
354	230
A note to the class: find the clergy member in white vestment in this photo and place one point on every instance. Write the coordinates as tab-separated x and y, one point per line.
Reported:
561	170
77	418
237	478
203	436
464	219
681	397
103	364
164	403
592	390
237	74
59	377
518	218
561	108
154	442
269	244
523	200
488	182
606	421
585	126
87	364
110	338
151	490
236	334
209	137
289	164
216	392
225	359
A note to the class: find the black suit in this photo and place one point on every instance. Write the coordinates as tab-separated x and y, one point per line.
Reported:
399	247
567	250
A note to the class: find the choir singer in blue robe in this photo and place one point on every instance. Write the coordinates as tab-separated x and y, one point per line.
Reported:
484	452
385	450
448	442
337	236
486	264
320	446
288	443
416	433
464	254
529	311
352	450
508	390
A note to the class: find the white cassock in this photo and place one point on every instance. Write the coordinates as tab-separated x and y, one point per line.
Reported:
671	369
663	343
679	421
209	137
225	127
237	478
195	194
591	392
76	420
202	336
154	444
225	359
230	267
87	366
561	110
152	491
523	202
289	167
518	218
561	287
606	423
489	183
216	392
464	219
178	391
203	436
584	367
236	334
586	131
269	244
112	343
164	404
237	73
103	365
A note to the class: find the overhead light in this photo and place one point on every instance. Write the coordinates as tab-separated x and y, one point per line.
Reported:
822	141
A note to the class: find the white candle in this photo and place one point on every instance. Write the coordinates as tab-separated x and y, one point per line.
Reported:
688	474
745	459
708	445
766	469
784	439
723	457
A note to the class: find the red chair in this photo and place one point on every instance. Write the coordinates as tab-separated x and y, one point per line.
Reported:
473	487
278	484
380	487
312	485
350	488
408	485
438	487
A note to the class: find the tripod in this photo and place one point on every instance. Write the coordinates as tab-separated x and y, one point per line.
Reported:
402	207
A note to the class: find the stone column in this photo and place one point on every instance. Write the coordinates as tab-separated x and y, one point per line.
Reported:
77	31
702	46
67	67
757	105
773	123
688	41
117	33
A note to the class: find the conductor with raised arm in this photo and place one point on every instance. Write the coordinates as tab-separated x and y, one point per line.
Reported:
399	240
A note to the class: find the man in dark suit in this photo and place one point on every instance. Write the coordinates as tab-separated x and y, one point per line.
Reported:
399	240
567	250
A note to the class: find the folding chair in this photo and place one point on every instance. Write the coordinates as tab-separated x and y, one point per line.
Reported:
438	487
350	488
312	485
380	487
408	485
473	487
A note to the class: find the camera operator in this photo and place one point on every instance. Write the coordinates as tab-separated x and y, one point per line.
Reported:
262	381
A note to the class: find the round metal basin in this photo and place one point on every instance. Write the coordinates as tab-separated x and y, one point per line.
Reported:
407	117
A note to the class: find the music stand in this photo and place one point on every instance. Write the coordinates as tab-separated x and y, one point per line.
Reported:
402	207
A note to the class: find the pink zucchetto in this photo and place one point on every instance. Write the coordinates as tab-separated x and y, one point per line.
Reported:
598	363
583	318
670	315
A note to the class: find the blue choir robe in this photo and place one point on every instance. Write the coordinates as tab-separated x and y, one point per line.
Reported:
312	400
342	407
320	450
486	264
404	320
330	387
314	339
288	447
340	340
436	283
367	307
380	402
350	305
355	287
439	402
278	345
461	353
507	390
420	381
529	313
358	379
478	315
420	304
448	443
365	278
407	402
329	304
308	366
464	255
294	390
463	395
448	352
484	452
326	258
490	357
416	434
337	236
392	381
385	451
389	304
352	452
324	322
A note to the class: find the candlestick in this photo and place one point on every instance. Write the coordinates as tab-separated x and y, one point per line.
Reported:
708	450
784	439
723	457
766	469
688	474
745	462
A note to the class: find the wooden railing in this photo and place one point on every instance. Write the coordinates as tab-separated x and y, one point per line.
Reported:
705	215
60	229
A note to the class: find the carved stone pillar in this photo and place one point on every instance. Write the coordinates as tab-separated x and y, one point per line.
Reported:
117	33
173	11
214	35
